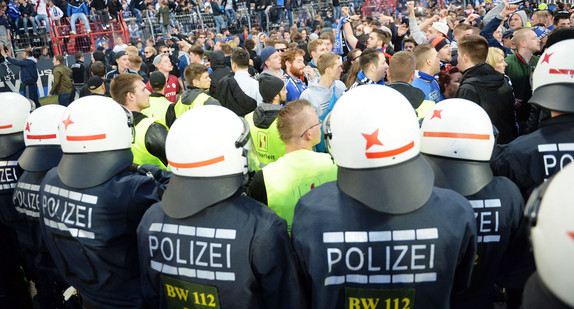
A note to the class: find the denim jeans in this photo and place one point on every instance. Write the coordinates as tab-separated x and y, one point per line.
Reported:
82	17
230	13
14	23
64	99
25	20
219	22
337	13
43	17
138	15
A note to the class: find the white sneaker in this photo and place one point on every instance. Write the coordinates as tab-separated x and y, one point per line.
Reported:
72	32
90	31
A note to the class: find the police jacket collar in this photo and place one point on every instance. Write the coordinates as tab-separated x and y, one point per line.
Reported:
557	120
186	196
463	176
86	170
397	189
40	158
11	143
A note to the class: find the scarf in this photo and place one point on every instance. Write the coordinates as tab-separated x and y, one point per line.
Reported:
338	49
362	79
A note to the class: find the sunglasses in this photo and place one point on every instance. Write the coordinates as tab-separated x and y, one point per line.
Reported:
311	127
282	50
165	52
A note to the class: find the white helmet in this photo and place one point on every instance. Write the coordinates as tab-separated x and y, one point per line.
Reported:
41	136
14	108
373	136
372	126
553	78
552	217
205	151
96	137
459	129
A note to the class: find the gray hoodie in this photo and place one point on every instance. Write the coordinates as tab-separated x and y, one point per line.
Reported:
319	96
265	114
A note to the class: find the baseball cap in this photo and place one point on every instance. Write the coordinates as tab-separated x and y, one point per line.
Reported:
266	53
157	59
157	80
95	82
120	54
508	34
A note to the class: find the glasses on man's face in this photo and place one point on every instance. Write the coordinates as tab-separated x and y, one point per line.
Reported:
165	52
311	127
281	50
146	52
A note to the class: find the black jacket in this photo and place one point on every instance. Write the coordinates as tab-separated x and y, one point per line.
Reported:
220	70
230	95
491	90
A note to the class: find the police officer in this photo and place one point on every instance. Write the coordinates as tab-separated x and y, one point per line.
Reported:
198	83
149	142
90	205
266	145
457	140
15	110
205	245
281	183
42	153
158	104
379	236
531	159
550	213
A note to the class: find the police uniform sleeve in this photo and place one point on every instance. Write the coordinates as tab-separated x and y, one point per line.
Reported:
145	192
466	255
257	189
274	264
155	141
504	163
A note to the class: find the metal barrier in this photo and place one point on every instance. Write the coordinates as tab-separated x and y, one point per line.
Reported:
65	43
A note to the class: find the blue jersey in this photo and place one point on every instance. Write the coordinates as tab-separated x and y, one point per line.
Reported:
294	87
91	235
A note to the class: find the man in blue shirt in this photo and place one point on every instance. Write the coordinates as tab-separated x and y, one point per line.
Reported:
428	65
293	64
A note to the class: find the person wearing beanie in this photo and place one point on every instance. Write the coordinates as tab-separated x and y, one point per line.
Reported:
517	20
163	64
123	61
442	46
271	62
266	146
158	104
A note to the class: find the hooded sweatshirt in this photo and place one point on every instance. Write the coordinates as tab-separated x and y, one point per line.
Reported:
265	114
217	60
491	90
319	96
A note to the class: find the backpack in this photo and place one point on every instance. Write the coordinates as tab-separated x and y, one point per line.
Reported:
231	96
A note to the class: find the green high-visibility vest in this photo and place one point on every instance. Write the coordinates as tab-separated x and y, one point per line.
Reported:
141	155
181	108
157	109
266	143
292	176
424	109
